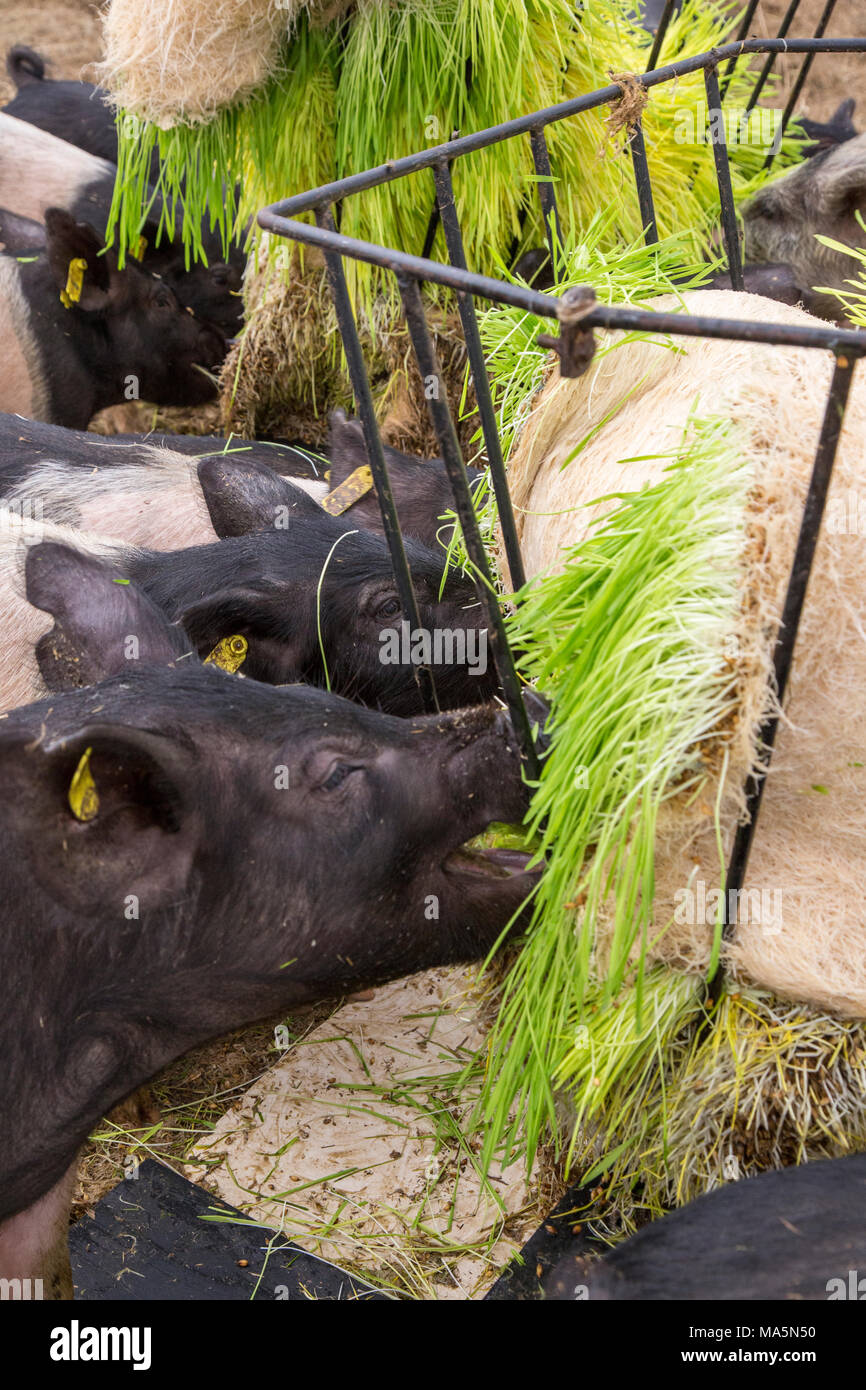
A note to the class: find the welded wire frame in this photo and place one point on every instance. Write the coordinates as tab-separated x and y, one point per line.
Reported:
781	34
411	272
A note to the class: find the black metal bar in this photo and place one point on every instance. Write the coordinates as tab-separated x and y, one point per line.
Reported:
430	234
798	582
466	305
375	452
523	125
741	35
428	363
661	33
547	198
614	316
801	80
787	20
723	178
644	185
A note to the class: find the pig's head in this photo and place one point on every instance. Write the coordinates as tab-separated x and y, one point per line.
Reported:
420	487
129	322
822	197
316	598
242	849
213	290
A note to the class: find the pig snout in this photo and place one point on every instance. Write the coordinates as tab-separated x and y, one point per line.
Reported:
483	766
210	345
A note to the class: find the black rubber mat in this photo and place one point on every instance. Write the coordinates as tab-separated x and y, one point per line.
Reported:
561	1233
147	1240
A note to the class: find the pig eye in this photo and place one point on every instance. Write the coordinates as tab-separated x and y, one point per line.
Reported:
338	776
163	299
389	608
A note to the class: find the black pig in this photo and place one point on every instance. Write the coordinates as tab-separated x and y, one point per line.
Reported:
114	335
825	196
38	171
244	850
794	1234
117	485
77	112
314	598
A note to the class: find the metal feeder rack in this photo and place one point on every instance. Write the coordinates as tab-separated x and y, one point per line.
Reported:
576	313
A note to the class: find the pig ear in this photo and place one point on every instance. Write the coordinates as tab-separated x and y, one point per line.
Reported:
842	181
280	657
843	116
420	487
346	445
108	813
69	243
20	235
103	625
243	496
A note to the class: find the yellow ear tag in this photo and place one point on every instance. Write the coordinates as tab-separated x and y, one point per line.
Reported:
74	283
83	796
229	654
355	486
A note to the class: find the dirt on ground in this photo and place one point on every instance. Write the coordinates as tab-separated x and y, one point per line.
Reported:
67	32
832	76
187	1099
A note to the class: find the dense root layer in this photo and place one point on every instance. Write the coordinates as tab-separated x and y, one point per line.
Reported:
802	929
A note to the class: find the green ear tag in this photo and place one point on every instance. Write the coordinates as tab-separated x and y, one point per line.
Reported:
74	283
83	796
229	654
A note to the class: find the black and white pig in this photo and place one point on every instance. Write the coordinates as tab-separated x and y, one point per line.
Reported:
312	597
795	1234
148	489
39	171
819	197
79	334
77	112
185	852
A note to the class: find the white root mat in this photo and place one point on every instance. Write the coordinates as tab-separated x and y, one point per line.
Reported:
352	1145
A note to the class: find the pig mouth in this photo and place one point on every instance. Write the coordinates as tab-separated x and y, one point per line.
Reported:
495	864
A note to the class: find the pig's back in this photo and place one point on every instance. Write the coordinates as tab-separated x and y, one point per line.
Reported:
39	171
